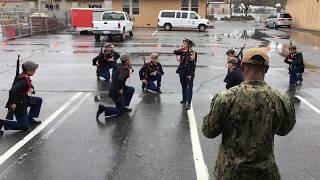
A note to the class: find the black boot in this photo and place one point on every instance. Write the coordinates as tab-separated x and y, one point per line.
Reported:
100	110
127	109
34	122
188	107
1	124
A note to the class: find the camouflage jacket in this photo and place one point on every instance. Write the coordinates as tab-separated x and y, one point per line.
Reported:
248	116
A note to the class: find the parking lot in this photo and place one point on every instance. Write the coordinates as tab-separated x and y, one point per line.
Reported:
158	139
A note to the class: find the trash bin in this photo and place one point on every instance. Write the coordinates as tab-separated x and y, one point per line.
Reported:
10	32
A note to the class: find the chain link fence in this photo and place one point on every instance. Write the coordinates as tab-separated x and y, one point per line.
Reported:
15	24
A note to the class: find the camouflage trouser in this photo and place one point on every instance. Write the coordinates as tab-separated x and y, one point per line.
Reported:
247	173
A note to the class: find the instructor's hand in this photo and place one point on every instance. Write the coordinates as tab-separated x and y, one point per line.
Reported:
120	91
189	78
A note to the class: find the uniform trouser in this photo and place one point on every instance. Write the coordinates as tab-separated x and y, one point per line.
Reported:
104	71
120	103
23	117
187	86
295	76
151	84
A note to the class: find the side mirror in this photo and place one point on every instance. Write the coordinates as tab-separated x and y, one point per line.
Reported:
132	18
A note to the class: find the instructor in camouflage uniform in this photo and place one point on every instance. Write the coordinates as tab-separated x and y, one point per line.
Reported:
248	116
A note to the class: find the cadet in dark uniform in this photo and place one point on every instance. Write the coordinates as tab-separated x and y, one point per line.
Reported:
249	116
106	60
296	65
231	54
150	72
186	70
20	98
119	92
234	76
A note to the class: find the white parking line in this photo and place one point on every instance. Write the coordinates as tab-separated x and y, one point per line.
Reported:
301	99
201	168
67	115
155	32
36	131
308	104
147	43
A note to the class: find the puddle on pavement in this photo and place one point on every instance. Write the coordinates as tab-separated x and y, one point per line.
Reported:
237	34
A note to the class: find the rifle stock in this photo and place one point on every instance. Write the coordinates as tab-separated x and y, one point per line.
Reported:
146	73
240	52
11	112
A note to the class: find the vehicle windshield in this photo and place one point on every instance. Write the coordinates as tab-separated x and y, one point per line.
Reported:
113	16
285	16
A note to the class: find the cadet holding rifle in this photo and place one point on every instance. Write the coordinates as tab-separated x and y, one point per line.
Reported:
20	98
120	93
186	70
106	60
150	72
296	65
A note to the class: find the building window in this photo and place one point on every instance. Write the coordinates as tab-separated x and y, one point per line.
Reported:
135	7
126	6
95	6
49	7
184	5
194	5
57	6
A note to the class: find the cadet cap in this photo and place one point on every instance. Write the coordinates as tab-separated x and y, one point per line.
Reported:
233	60
107	45
230	51
124	57
154	56
293	48
29	66
256	56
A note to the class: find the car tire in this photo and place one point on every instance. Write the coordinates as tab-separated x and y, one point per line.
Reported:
97	37
123	35
202	28
167	27
266	25
131	33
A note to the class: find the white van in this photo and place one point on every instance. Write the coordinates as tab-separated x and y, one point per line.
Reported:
169	19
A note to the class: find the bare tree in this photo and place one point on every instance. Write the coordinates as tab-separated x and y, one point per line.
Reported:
207	5
230	2
245	4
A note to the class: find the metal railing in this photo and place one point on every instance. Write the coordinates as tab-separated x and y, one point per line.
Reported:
17	23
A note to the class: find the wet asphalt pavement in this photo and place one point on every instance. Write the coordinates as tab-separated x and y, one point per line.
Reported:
153	141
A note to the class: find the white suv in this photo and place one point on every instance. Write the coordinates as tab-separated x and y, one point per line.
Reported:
169	19
277	20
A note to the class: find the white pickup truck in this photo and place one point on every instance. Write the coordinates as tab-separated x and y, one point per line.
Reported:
113	23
